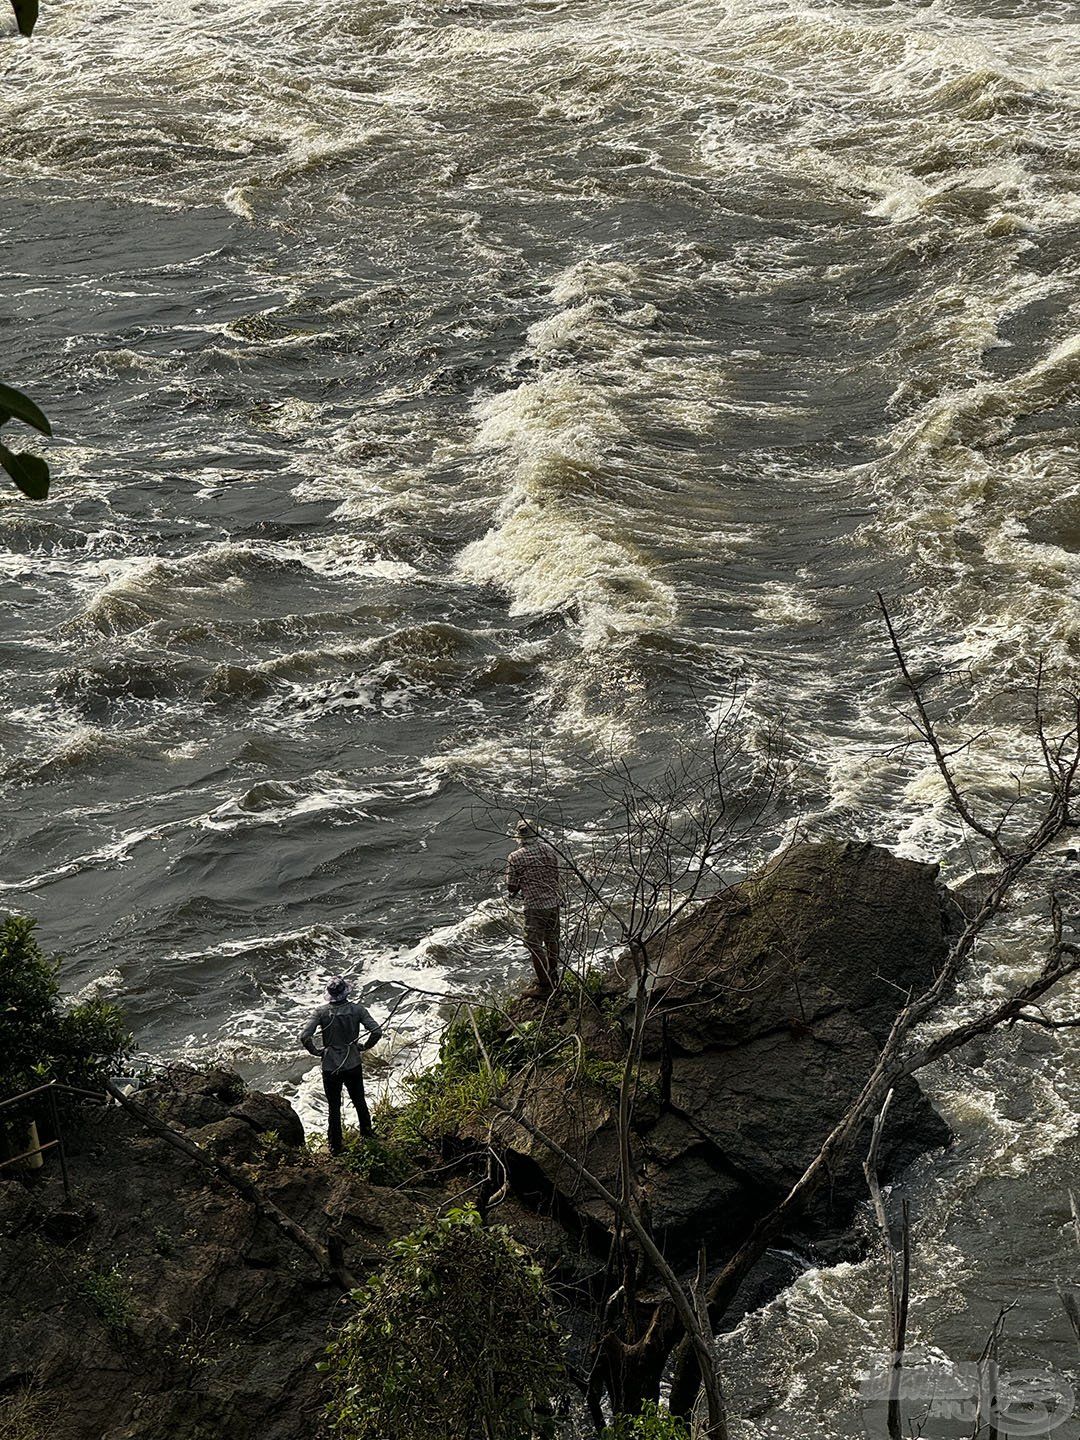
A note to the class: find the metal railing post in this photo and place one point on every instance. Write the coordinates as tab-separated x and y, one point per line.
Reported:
34	1154
54	1113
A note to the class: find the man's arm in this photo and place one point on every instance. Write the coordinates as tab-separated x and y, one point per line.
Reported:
371	1025
513	880
308	1032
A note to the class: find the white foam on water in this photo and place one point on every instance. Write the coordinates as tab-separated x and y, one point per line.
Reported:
141	589
555	436
106	986
346	557
787	604
278	804
411	990
109	856
549	563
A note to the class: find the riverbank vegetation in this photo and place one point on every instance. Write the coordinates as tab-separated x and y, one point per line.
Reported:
41	1039
581	1186
584	1110
462	1309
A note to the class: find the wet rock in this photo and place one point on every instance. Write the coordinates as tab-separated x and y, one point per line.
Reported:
231	1139
189	1097
184	1314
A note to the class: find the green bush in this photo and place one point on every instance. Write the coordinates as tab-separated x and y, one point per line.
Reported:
442	1099
39	1041
440	1102
588	986
651	1424
454	1338
507	1044
376	1158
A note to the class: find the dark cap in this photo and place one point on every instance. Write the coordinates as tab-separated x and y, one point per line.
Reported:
337	989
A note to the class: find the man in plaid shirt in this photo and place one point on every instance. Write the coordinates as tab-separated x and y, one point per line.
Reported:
532	872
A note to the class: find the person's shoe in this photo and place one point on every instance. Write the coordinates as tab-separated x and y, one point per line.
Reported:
537	992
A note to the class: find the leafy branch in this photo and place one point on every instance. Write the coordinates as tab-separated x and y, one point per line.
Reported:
29	472
26	14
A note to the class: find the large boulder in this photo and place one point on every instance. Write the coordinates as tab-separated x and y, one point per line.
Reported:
767	1015
216	1098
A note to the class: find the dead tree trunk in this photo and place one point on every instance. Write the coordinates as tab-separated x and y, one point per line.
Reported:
898	1260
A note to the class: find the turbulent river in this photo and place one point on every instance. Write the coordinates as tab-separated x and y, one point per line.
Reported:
434	384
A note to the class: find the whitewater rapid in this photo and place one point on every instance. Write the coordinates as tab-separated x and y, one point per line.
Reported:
437	384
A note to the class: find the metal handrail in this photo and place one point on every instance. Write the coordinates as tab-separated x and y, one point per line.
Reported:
29	1154
51	1089
54	1085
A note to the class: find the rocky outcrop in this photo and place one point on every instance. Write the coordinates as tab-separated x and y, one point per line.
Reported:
184	1315
158	1306
196	1100
771	1005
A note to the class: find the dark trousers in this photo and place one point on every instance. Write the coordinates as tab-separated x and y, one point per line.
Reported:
333	1083
542	943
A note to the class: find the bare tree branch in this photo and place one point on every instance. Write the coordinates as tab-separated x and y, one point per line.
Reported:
699	1335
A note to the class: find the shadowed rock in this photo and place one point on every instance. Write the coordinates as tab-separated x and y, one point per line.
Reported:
159	1306
771	1004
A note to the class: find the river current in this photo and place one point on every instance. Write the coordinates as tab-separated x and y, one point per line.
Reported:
439	383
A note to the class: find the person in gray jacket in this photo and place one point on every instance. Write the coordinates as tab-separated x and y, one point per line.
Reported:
342	1067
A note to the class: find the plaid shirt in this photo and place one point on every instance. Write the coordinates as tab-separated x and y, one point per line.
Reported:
533	873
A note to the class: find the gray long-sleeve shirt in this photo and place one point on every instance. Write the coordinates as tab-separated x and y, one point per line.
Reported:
340	1026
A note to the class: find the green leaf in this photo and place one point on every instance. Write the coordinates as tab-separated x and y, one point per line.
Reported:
29	472
14	405
26	14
